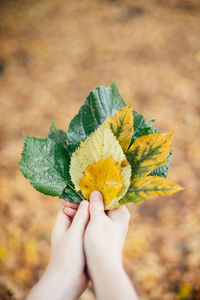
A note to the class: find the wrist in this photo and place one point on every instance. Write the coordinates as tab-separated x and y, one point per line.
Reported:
62	269
107	265
57	280
110	280
72	283
102	258
53	285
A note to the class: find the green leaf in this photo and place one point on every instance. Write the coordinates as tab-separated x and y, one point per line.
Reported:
118	101
71	195
46	164
142	127
57	135
101	103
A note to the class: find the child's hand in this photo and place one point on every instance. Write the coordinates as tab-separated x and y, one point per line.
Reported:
103	242
64	277
103	238
105	233
67	252
70	208
102	230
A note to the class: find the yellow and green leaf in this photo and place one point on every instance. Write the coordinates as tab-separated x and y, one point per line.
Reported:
98	146
149	152
148	187
104	177
121	125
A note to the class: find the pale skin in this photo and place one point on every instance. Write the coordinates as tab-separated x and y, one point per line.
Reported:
84	235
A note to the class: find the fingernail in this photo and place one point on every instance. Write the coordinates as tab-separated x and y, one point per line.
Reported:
84	204
95	196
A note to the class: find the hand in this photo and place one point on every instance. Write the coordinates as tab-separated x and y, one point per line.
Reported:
103	229
105	233
67	251
64	277
103	243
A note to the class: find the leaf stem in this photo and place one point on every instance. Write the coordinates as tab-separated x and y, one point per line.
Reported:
75	191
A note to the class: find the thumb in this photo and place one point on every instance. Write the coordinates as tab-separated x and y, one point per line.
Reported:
96	204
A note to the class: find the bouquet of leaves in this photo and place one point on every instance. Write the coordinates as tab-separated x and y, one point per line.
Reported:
108	147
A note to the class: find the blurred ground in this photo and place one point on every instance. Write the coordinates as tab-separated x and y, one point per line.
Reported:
52	53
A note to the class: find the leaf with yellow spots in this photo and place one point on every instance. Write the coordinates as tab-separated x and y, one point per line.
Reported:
121	125
148	153
104	177
148	187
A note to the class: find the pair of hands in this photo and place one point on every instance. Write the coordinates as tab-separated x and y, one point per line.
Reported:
85	237
86	243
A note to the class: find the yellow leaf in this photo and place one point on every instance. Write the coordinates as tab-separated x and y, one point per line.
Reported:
100	145
149	186
122	126
104	177
3	252
31	252
185	291
149	152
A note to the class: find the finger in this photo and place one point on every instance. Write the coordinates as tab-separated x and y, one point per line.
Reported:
119	215
81	217
62	223
96	204
69	211
70	204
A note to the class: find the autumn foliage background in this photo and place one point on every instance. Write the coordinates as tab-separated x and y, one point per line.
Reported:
52	54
